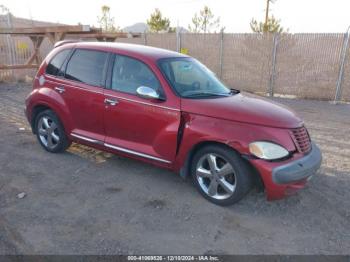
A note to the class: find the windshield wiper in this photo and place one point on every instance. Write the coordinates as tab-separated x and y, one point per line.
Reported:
234	91
204	94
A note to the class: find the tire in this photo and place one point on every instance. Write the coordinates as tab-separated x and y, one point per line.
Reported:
50	132
230	181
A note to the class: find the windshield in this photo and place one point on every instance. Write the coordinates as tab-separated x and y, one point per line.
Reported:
190	78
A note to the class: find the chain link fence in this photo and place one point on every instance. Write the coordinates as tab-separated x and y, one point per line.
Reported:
16	50
307	65
290	65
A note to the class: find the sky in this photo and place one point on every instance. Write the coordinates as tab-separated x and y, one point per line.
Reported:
299	16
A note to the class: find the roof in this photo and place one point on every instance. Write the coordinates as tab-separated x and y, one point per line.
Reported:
132	49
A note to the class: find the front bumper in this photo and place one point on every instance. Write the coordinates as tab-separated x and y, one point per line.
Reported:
299	169
285	178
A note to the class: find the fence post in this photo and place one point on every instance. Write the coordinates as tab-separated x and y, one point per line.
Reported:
221	51
144	38
343	56
273	67
178	41
10	45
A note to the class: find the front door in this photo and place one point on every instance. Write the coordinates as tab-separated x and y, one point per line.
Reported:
138	126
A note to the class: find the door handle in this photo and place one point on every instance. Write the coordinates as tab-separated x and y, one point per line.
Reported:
60	89
111	102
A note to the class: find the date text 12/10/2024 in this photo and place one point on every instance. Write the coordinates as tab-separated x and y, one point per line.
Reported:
173	258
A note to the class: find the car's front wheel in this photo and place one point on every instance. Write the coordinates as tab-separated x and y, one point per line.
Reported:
50	132
220	174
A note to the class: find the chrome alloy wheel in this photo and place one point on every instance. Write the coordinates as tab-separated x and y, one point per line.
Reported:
216	176
48	132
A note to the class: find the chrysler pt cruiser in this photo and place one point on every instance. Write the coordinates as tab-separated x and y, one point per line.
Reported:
170	110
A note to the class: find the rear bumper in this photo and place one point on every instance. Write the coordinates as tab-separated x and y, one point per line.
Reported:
299	169
285	178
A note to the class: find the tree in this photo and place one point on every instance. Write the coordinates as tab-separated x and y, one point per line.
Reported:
4	10
204	22
157	23
270	25
106	21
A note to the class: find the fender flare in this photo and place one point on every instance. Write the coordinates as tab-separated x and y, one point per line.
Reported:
46	97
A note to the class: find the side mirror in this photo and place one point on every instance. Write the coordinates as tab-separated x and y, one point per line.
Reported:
147	92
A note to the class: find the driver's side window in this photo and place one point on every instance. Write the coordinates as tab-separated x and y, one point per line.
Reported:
128	74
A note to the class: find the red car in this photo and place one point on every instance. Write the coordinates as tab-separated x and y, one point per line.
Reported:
168	109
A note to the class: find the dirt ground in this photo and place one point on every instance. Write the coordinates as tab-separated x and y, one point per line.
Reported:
89	202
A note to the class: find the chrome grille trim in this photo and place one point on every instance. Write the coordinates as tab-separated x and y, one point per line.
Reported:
301	139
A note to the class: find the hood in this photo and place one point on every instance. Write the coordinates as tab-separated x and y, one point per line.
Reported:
245	108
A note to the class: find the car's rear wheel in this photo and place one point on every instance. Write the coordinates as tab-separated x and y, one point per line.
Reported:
50	132
220	174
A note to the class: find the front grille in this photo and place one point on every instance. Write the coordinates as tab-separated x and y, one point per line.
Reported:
301	139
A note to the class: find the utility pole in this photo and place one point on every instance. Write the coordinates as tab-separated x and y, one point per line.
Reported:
267	11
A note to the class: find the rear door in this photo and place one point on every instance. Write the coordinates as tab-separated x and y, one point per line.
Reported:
81	86
138	126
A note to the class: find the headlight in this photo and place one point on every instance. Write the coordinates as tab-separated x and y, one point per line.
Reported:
267	150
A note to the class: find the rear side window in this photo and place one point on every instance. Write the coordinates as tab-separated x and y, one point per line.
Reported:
87	66
54	67
129	74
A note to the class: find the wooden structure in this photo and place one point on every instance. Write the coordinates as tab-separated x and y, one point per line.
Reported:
55	34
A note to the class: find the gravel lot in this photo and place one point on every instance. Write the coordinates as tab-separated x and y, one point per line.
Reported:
89	202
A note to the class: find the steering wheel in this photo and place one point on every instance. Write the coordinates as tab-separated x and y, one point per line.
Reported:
196	85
